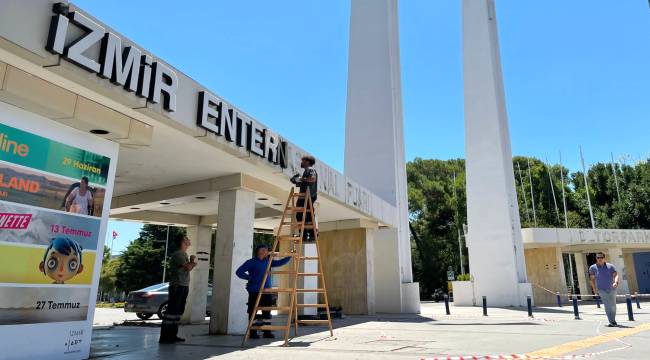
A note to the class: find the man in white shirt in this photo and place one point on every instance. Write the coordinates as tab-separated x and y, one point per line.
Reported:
80	200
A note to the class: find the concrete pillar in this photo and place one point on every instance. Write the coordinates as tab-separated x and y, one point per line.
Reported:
374	135
583	273
494	239
615	257
201	237
388	294
310	282
562	270
234	245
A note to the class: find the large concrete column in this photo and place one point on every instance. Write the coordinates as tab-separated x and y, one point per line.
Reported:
234	245
494	238
309	282
201	237
583	273
615	257
374	135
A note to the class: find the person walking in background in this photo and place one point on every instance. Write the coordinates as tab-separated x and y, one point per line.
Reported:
604	282
253	271
179	281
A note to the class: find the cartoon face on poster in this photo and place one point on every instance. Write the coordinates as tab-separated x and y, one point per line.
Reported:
62	260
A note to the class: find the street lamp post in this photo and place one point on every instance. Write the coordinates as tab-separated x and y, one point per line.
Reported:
165	259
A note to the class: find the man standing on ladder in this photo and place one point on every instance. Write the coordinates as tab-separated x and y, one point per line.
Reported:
253	271
308	180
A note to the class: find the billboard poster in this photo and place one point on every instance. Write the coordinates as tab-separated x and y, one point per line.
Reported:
55	189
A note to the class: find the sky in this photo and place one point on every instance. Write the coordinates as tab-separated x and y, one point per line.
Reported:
575	72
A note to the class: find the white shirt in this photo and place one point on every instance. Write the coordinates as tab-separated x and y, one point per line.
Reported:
80	202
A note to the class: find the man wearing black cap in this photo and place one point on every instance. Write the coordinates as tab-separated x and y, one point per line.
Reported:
308	180
253	271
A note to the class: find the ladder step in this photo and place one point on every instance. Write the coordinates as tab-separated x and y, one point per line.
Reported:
279	254
312	305
308	274
296	225
288	237
271	308
270	327
309	258
301	209
275	290
313	322
310	290
299	194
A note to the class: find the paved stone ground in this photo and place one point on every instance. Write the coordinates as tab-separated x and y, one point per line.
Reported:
425	336
110	316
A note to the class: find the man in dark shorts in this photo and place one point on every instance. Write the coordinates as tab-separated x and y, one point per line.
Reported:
179	282
308	180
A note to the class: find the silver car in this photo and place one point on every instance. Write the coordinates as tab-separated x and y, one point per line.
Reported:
153	300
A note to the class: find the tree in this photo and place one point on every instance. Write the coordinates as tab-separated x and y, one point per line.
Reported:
437	212
108	277
141	264
437	206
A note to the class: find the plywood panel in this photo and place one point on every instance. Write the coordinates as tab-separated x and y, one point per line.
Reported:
630	269
343	253
543	268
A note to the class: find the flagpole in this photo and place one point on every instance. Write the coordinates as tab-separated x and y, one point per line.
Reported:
532	195
523	191
566	218
618	193
112	240
550	179
584	174
165	260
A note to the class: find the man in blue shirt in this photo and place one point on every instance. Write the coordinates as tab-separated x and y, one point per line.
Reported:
253	271
604	281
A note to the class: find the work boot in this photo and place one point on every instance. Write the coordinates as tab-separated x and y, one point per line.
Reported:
268	335
254	335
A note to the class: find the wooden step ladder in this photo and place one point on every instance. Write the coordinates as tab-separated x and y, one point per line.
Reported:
291	230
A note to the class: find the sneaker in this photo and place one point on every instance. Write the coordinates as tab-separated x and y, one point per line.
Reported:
179	339
612	324
268	335
254	335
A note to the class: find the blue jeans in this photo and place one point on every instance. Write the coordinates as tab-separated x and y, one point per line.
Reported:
609	300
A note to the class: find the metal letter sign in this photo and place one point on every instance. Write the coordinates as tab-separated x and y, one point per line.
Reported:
126	67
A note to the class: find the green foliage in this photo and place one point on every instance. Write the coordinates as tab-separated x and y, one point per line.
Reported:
141	264
437	208
437	212
108	277
463	277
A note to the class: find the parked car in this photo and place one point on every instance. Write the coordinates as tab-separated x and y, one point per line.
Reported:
153	300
